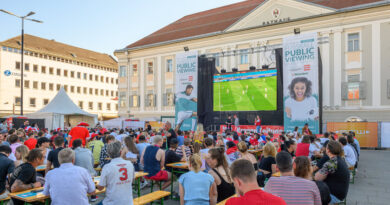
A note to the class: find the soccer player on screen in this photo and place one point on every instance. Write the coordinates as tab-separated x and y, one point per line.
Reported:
184	100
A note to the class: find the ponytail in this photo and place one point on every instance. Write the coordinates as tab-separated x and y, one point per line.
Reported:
196	162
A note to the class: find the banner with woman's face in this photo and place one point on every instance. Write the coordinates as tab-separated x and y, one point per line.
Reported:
300	82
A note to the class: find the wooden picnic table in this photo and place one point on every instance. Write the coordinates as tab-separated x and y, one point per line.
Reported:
174	169
41	168
29	196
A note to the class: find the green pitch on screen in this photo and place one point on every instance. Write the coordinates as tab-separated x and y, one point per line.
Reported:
246	95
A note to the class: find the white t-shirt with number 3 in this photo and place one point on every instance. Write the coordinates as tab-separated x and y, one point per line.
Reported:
117	177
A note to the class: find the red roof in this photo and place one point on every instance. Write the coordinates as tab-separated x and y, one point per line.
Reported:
219	19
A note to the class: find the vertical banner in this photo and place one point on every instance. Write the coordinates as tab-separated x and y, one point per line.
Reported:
385	134
300	82
366	132
186	88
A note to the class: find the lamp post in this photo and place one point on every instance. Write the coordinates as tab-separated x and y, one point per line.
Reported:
22	51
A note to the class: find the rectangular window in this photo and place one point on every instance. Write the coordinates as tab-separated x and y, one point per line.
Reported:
100	107
170	99
72	89
150	100
216	56
112	80
58	87
353	42
51	86
43	86
122	99
169	65
353	86
27	67
72	74
102	79
122	71
17	65
32	102
35	84
107	93
45	101
135	70
51	70
91	91
58	71
79	90
85	76
85	90
81	104
96	78
17	83
135	101
112	93
96	91
244	56
150	67
90	105
107	79
26	84
35	68
66	88
90	77
102	92
43	69
108	106
78	75
17	101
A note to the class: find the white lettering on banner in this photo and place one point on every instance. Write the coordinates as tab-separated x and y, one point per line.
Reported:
358	132
276	130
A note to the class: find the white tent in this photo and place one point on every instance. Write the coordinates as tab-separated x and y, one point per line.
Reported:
62	109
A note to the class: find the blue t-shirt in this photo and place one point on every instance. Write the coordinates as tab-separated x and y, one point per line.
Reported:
196	187
141	147
181	140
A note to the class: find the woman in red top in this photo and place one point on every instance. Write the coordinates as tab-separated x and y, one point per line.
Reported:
303	147
258	124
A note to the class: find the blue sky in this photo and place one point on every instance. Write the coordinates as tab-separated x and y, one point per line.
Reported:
99	25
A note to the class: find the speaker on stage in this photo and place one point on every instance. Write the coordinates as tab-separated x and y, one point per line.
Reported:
264	67
235	70
252	68
223	70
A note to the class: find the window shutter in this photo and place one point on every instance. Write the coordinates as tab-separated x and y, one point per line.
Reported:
154	100
344	91
165	100
362	90
131	100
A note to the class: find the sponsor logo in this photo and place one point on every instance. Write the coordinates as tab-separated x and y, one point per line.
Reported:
7	73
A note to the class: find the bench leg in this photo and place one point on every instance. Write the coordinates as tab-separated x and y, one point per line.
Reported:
162	201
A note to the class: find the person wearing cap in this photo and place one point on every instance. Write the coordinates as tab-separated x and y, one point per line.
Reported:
79	132
44	144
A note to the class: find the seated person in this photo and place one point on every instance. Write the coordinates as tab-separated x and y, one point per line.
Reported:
68	184
303	147
153	160
130	151
267	164
195	186
104	158
84	157
171	156
335	172
52	159
6	168
24	176
323	159
232	151
349	153
244	178
186	147
117	176
204	153
242	147
293	190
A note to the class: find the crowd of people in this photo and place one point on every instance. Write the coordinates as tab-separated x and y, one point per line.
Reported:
313	170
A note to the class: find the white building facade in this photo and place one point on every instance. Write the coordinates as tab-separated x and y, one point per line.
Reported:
89	78
353	40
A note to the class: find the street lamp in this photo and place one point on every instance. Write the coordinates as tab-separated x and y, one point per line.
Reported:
22	51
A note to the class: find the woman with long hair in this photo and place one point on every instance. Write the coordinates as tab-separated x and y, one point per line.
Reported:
21	153
130	152
195	186
221	173
268	163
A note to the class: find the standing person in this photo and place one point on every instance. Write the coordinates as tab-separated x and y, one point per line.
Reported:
84	157
117	176
195	186
68	184
180	137
52	159
221	174
6	168
104	157
79	132
258	124
244	178
306	130
335	173
153	160
229	123
24	176
169	132
96	146
293	190
236	121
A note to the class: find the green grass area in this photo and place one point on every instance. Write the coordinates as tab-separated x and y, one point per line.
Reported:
246	95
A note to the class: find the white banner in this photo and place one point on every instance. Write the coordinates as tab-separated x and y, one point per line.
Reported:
300	82
385	135
186	88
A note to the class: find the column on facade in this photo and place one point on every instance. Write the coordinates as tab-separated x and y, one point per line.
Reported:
142	84
253	61
376	64
325	68
159	83
233	56
225	58
337	66
128	82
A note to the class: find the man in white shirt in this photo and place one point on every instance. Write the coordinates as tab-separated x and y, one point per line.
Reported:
117	176
68	184
349	154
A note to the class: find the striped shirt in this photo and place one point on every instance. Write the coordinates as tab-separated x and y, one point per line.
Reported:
179	151
294	190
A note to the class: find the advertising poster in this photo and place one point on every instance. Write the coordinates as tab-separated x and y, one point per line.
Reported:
385	135
300	82
186	88
366	132
275	129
